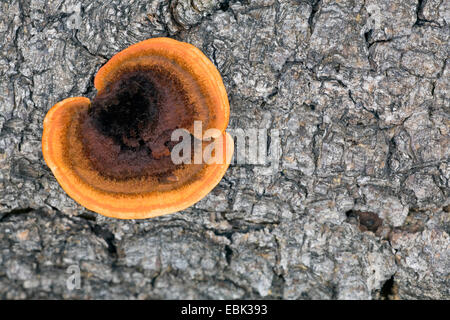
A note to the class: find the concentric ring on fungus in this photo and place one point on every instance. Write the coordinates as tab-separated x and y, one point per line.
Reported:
113	155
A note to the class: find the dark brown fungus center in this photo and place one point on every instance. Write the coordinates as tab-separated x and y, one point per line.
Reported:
127	131
128	110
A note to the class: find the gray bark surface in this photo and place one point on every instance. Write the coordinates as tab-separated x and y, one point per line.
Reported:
359	91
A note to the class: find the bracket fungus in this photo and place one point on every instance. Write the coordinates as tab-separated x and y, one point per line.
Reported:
114	155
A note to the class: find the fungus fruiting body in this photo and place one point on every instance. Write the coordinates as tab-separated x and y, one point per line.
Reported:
113	154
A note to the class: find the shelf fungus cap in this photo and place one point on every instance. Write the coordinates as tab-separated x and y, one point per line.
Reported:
151	142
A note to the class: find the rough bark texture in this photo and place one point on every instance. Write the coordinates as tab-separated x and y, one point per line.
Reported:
359	208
